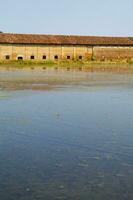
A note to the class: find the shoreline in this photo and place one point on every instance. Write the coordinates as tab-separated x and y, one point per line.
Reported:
90	66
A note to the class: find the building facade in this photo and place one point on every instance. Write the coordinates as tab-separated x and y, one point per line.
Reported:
61	47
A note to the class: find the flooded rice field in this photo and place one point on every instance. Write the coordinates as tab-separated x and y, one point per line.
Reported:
66	135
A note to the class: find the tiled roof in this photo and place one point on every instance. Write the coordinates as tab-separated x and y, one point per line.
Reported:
10	38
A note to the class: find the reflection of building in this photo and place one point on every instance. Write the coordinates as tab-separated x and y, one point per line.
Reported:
65	47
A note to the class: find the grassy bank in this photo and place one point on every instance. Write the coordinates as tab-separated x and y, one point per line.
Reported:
22	64
80	65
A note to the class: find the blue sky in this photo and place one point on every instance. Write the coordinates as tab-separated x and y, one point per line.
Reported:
82	17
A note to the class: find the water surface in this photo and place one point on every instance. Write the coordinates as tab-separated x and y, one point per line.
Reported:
66	135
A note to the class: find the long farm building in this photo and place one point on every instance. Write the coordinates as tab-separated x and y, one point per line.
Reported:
64	47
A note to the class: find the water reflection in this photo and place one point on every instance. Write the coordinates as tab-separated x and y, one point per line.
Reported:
48	79
66	136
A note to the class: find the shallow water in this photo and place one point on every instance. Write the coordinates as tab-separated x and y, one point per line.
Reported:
66	135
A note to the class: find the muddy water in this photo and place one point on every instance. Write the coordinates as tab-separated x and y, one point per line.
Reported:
66	135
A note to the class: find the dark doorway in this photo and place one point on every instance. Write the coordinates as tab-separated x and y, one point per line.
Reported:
68	57
44	57
56	57
32	57
20	58
7	57
80	57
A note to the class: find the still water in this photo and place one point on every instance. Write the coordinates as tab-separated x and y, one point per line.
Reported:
66	135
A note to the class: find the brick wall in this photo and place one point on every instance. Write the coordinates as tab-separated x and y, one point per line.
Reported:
49	52
113	52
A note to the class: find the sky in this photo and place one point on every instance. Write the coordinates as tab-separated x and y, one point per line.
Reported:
73	17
